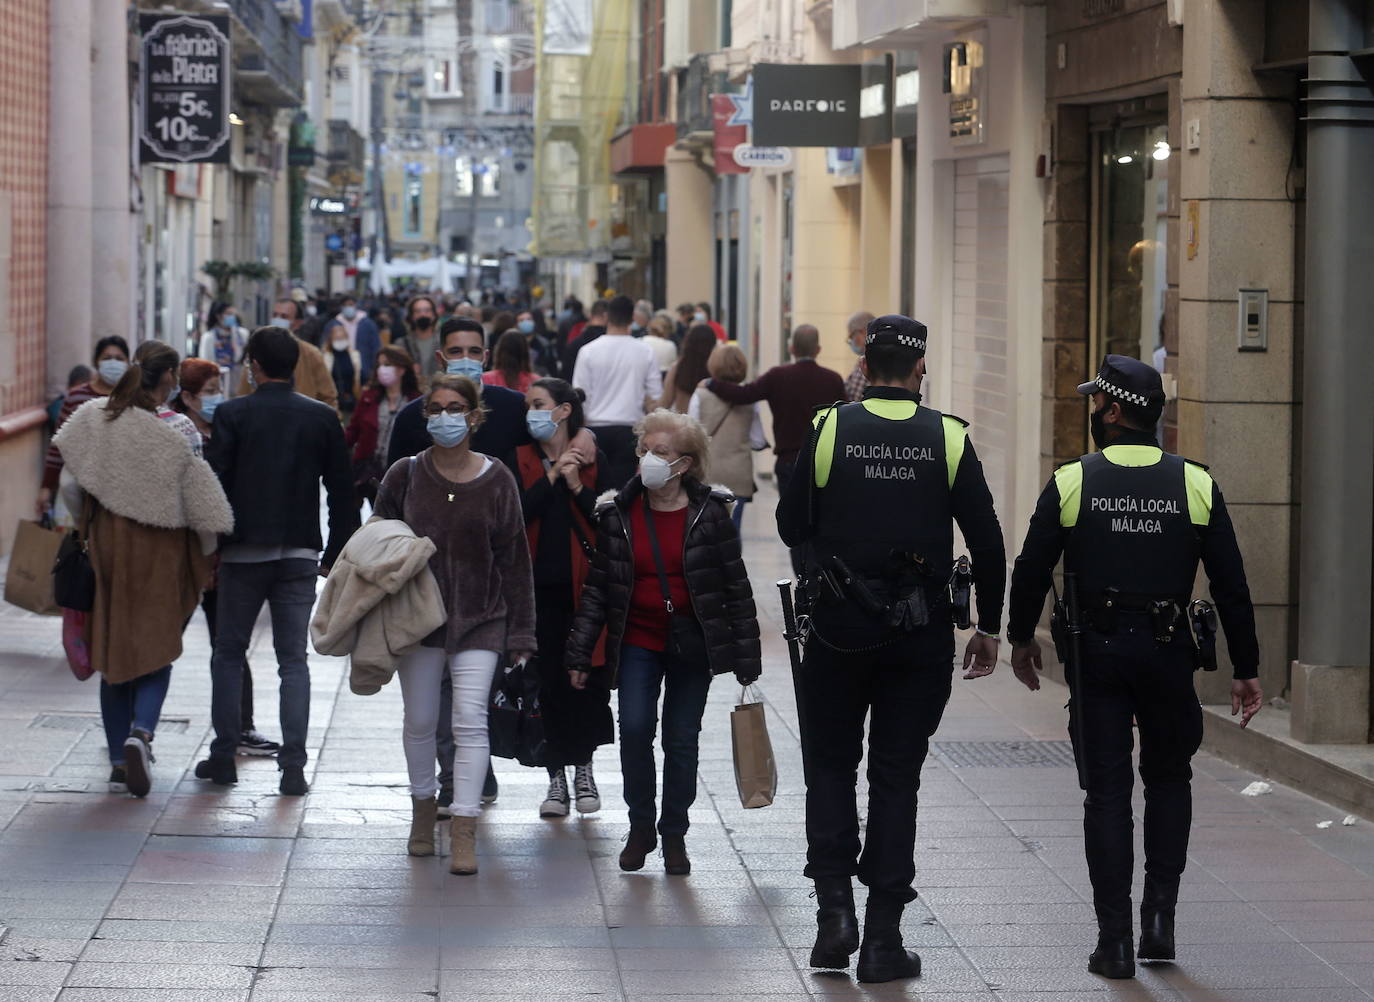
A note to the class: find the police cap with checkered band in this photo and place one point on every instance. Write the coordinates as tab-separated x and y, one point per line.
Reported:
1129	380
898	330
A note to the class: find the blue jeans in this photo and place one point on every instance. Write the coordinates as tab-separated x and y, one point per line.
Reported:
642	673
738	513
288	587
136	703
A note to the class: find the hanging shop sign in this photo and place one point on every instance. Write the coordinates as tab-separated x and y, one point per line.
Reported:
328	206
806	105
727	137
184	89
763	156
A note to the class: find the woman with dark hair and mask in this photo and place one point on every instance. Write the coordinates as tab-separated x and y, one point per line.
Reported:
467	504
111	359
559	485
151	513
393	385
223	341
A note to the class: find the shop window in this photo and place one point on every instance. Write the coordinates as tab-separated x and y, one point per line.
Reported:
1130	240
414	210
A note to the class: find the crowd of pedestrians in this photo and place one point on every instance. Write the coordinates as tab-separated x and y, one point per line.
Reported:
558	499
530	458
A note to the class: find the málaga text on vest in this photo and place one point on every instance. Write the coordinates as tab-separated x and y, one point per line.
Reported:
890	462
1126	507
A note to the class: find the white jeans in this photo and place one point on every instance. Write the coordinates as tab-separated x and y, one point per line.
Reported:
472	671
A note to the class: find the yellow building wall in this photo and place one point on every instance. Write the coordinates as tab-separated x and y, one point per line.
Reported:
825	255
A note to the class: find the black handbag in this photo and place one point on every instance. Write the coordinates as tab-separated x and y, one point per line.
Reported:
686	639
73	577
515	717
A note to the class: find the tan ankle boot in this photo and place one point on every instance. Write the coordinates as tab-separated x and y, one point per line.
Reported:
462	845
422	819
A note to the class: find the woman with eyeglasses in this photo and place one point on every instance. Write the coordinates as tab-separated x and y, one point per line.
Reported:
468	505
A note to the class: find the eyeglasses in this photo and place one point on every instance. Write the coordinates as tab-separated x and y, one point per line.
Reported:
434	410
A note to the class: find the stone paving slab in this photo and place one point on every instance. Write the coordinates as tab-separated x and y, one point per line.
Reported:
240	895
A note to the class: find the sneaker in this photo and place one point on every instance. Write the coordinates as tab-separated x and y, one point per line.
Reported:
444	803
555	805
489	788
118	780
218	772
584	785
293	782
257	743
138	760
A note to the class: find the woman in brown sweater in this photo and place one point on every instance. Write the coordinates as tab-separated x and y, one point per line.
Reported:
468	505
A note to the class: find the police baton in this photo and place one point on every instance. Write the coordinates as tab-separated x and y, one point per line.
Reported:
1073	622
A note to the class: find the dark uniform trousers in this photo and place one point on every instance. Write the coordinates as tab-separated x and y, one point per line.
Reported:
1128	675
902	689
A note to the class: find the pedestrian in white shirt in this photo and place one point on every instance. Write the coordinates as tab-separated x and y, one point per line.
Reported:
620	376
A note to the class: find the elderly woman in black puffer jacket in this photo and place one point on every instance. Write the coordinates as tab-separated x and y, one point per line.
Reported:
668	586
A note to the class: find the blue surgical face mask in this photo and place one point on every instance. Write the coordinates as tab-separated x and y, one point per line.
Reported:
448	430
525	326
208	404
698	317
350	312
469	367
857	349
636	326
112	370
541	424
229	321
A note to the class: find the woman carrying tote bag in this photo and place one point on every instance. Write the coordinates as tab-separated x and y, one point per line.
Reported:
156	512
669	586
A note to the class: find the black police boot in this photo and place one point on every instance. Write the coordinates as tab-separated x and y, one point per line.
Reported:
882	957
837	927
1112	958
1157	920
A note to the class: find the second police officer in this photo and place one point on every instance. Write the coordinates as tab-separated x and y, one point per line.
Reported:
872	504
1132	523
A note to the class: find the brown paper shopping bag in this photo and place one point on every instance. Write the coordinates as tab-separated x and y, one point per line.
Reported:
28	584
756	773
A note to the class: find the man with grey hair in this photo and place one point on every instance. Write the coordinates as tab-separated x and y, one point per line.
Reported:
857	329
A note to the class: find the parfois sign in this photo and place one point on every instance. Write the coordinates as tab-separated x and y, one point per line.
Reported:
184	89
806	105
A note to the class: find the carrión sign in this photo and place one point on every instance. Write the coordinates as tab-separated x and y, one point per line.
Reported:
184	89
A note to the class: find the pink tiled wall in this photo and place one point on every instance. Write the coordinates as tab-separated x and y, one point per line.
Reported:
24	184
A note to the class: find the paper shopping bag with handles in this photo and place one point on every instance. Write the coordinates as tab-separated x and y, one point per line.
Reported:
756	773
28	583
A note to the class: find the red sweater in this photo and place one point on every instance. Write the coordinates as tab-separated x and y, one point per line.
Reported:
647	625
793	393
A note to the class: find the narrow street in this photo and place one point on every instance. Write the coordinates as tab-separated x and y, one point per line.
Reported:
199	895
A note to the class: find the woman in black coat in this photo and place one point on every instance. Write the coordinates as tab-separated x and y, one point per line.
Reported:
673	619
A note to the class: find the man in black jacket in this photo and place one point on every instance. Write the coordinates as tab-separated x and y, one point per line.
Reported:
270	450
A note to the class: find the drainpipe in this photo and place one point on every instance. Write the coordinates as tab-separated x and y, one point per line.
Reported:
1331	677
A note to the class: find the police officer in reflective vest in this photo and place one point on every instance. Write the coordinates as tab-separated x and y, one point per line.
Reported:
872	504
1132	523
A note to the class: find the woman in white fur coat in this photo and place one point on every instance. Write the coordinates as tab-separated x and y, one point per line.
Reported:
155	510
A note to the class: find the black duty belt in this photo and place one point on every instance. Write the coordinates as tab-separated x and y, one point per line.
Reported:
1165	614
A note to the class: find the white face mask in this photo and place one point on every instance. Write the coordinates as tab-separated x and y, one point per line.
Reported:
280	321
655	471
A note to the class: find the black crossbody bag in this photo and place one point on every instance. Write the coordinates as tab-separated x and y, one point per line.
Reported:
686	638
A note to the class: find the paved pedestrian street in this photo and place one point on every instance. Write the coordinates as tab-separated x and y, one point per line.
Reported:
202	894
